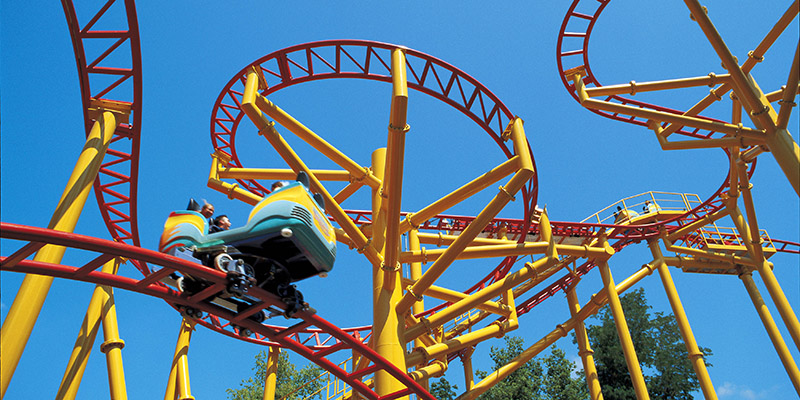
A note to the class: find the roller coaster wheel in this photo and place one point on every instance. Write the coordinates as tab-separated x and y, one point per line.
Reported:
259	317
223	262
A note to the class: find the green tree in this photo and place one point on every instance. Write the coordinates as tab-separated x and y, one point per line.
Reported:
442	390
661	351
288	380
549	379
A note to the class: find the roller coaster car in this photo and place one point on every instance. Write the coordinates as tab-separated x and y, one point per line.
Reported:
286	239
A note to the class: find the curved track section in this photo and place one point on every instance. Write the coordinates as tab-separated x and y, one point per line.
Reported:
572	51
361	59
108	56
335	340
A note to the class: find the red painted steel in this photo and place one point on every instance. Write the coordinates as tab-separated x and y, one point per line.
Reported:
339	339
117	182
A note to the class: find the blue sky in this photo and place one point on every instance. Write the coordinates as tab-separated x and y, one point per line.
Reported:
585	162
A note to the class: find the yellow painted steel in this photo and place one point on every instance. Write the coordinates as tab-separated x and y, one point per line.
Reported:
752	239
637	87
284	119
754	57
466	360
494	330
695	355
387	329
495	289
504	250
218	159
460	194
772	330
779	141
30	298
585	350
506	194
634	369
787	100
454	296
178	386
433	370
597	300
683	120
112	347
252	104
271	377
101	308
392	188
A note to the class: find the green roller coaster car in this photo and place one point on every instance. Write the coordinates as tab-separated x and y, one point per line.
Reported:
287	238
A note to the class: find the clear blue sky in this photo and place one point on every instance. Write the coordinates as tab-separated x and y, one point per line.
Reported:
585	162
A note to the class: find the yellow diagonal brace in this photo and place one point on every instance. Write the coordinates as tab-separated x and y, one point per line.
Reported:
30	298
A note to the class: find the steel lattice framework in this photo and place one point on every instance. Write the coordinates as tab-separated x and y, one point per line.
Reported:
108	87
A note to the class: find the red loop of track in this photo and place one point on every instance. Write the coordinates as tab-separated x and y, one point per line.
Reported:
361	59
338	340
571	54
114	73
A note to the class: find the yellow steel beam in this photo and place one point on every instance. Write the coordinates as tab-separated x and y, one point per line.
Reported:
755	57
504	250
634	369
466	361
284	119
30	298
494	330
433	370
386	289
232	190
395	155
454	296
505	195
113	344
598	300
752	240
178	384
695	355
250	100
739	79
530	270
637	87
281	174
585	350
460	194
772	330
271	378
779	141
76	365
683	120
440	239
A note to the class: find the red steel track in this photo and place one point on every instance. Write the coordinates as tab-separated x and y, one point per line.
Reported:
113	73
312	337
324	340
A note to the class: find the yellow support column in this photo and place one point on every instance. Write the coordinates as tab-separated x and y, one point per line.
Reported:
113	345
634	369
25	309
271	378
98	307
386	331
772	330
585	351
178	384
415	272
695	356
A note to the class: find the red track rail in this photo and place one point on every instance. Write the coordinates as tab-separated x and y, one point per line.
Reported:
337	340
361	59
572	50
113	73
